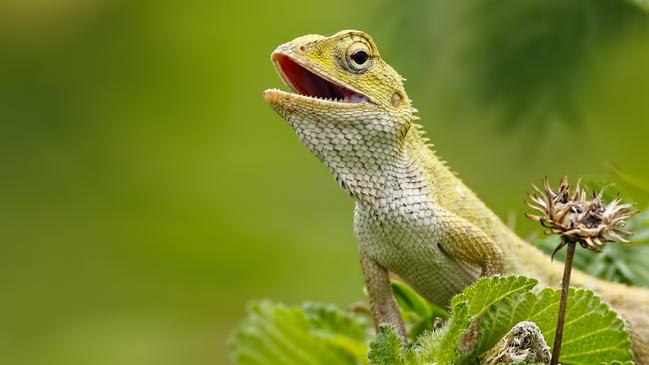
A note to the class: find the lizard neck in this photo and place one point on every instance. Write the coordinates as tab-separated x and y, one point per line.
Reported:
387	176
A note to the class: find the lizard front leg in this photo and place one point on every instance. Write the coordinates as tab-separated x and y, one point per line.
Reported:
464	241
383	306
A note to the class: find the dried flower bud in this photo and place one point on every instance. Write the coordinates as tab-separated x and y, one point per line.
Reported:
568	213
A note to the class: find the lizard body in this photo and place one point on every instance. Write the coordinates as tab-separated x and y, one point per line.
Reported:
413	216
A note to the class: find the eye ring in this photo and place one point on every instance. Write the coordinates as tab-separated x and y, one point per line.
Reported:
358	57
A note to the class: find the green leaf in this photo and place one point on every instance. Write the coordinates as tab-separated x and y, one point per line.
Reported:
418	314
313	334
452	344
447	339
593	333
316	334
469	307
388	349
491	290
410	302
438	346
488	309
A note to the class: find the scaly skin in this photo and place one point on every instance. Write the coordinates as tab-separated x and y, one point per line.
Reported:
413	216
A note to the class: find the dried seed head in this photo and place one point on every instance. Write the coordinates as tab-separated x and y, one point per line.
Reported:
568	213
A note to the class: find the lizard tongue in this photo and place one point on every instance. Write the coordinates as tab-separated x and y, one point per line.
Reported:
353	97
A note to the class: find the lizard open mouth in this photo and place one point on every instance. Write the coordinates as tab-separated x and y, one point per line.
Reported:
308	83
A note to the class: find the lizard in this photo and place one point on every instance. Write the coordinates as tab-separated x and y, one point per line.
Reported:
413	216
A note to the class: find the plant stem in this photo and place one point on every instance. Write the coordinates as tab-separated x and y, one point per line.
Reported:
563	303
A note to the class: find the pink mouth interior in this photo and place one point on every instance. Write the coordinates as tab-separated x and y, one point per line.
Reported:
310	84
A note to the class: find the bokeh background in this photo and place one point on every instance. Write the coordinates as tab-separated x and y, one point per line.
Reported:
147	193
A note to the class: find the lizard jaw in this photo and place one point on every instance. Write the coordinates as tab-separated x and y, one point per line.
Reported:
310	85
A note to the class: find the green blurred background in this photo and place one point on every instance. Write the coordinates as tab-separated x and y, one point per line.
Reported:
147	193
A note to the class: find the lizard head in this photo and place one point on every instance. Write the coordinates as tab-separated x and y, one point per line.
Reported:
346	103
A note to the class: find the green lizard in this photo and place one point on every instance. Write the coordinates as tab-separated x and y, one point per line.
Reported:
413	216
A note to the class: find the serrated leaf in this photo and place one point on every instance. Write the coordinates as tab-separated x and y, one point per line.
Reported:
491	290
315	334
388	349
593	333
437	347
450	345
449	336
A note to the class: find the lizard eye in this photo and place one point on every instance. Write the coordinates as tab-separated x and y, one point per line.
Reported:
358	58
